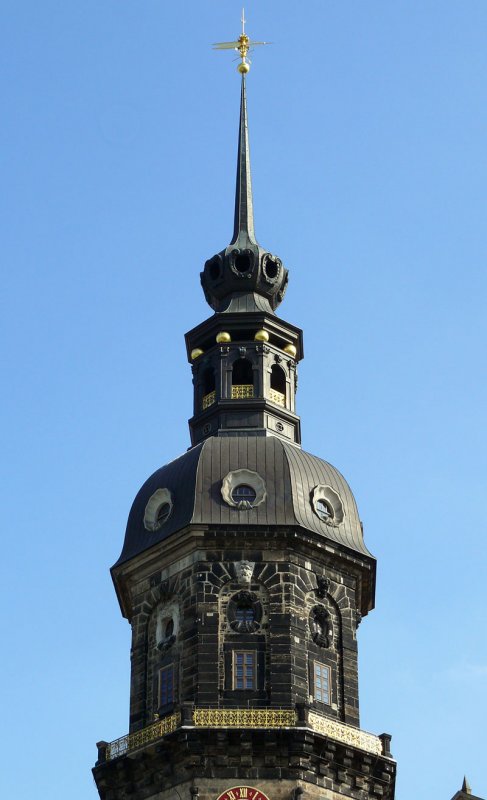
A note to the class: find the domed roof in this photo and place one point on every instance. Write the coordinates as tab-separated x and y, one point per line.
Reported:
292	488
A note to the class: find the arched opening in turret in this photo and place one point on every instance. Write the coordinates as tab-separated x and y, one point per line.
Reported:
242	379
278	385
243	262
209	393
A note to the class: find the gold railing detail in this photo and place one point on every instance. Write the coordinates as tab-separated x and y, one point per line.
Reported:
131	741
345	733
244	717
242	391
209	399
277	397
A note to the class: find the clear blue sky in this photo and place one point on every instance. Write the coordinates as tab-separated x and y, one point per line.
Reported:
368	122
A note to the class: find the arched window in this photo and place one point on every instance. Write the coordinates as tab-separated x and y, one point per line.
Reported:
278	386
209	394
242	379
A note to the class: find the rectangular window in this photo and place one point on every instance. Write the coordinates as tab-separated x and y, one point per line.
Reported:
166	686
322	683
244	669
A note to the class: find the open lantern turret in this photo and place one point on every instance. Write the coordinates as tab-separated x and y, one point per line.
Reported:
244	358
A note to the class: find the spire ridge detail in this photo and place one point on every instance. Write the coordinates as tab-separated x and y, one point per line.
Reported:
243	231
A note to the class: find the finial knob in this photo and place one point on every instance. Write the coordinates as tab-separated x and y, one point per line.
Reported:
243	67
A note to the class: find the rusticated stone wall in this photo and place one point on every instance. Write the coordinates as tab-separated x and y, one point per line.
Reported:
291	587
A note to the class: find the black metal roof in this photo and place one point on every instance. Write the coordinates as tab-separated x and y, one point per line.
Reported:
244	268
290	475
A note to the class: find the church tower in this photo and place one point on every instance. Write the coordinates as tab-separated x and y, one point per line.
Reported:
244	573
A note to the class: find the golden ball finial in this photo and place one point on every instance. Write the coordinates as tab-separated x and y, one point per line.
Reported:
261	336
243	67
290	350
196	353
223	337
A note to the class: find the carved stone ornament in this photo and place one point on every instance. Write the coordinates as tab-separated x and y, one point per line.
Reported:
322	586
167	625
244	571
245	477
321	627
244	612
327	505
158	509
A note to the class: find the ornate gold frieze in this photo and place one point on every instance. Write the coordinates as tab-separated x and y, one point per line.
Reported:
132	741
242	391
277	397
345	733
209	399
244	718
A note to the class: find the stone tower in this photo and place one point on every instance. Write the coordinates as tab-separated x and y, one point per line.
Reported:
244	575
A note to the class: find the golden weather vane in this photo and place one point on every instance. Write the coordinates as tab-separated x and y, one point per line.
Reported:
242	46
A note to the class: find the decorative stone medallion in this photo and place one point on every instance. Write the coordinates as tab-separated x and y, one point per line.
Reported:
244	612
243	793
321	627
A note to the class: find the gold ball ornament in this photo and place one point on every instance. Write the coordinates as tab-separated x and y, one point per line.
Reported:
196	353
290	350
243	68
261	336
223	337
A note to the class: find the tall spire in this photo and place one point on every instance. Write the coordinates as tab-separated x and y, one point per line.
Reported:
244	276
243	230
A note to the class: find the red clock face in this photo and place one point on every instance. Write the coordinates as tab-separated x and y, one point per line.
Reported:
243	793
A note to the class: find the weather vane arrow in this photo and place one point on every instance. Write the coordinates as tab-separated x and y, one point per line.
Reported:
242	46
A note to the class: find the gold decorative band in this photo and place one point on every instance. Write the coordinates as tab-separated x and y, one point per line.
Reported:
132	741
244	718
345	733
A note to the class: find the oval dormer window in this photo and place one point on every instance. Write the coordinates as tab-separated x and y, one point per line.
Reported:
327	504
245	493
243	489
158	509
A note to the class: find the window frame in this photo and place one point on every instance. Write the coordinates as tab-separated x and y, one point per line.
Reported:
319	693
169	697
244	687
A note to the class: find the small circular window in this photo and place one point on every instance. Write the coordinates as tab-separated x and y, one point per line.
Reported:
323	510
244	493
244	612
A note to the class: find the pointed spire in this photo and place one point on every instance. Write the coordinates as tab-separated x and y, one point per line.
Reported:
466	786
243	232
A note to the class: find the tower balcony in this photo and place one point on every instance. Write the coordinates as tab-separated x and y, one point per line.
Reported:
249	719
